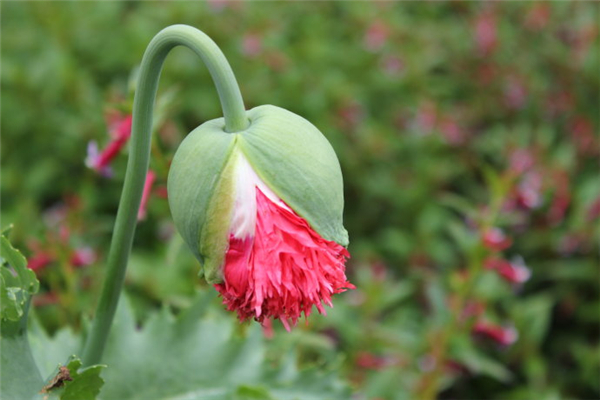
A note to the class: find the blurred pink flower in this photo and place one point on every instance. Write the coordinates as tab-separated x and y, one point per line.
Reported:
495	239
161	192
582	132
376	36
220	5
515	93
527	193
538	16
485	32
63	222
561	199
64	233
119	131
582	41
350	115
80	257
45	299
39	260
520	160
456	367
251	45
528	190
487	73
504	336
55	215
472	308
379	271
426	118
83	256
392	65
593	211
570	243
559	103
277	60
512	272
148	183
427	363
368	360
451	131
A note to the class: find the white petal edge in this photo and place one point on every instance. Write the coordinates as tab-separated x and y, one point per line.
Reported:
243	219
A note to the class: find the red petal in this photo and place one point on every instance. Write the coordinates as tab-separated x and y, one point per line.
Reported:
283	270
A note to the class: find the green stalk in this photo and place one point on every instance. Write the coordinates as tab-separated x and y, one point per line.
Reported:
137	165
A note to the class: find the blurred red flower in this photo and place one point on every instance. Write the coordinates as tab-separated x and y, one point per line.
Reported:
504	336
495	239
515	93
538	16
376	36
513	272
83	256
251	45
39	260
120	131
149	182
485	32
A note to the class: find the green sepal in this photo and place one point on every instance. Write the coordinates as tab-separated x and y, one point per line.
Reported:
298	163
214	237
194	177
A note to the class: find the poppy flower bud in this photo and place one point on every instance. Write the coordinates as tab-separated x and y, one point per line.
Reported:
261	209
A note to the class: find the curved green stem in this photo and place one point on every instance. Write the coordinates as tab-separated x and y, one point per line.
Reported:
137	166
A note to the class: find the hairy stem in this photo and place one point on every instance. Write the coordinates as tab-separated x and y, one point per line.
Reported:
137	166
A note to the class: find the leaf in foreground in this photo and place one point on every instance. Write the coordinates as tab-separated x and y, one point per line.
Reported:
201	354
17	282
20	377
72	383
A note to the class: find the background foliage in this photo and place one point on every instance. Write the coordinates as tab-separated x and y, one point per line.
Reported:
450	120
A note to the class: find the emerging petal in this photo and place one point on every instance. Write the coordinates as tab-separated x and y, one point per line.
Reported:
280	267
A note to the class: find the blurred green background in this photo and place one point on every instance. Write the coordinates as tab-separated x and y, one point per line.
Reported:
449	119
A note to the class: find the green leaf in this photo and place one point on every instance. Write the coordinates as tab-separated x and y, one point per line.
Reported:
20	377
5	231
252	393
201	354
533	316
49	350
71	383
461	235
17	282
458	203
476	361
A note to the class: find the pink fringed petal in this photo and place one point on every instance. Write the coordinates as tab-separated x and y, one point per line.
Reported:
283	270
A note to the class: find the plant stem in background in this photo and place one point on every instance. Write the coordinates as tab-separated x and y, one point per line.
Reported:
429	385
137	166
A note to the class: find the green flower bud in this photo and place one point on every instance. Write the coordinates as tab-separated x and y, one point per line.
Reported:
287	153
